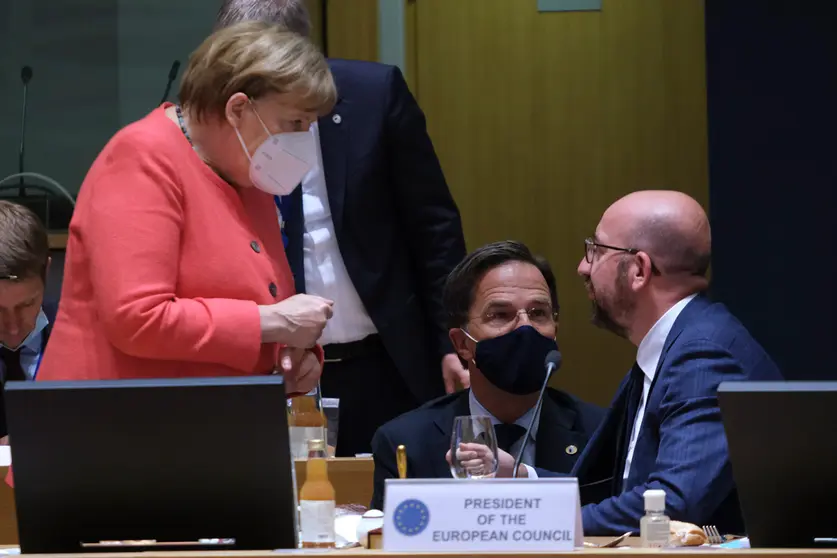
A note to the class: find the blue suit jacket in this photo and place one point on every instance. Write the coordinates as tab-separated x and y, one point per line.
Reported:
681	447
397	226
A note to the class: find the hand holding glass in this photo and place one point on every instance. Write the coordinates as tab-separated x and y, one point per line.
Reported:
473	448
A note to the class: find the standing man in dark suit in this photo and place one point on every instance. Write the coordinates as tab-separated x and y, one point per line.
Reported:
502	307
374	228
25	319
645	270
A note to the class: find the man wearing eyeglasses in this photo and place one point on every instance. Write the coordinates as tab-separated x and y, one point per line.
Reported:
645	271
502	308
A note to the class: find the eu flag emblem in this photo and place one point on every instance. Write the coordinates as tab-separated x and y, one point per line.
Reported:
411	517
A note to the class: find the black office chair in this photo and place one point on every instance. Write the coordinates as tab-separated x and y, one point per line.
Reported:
50	201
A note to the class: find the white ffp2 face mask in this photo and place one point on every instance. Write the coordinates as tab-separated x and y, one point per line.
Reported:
281	161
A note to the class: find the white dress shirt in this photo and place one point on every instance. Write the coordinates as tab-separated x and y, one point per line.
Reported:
325	271
648	357
30	349
478	410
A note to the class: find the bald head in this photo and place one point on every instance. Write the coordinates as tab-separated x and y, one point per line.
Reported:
671	227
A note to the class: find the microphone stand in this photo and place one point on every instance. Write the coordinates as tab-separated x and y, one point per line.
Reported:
549	369
172	76
25	76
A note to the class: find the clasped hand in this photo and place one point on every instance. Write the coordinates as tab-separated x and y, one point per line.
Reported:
475	458
301	369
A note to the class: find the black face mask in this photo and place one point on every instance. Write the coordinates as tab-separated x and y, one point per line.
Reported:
514	362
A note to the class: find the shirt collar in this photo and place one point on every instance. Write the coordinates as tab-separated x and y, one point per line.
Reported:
33	340
651	346
477	409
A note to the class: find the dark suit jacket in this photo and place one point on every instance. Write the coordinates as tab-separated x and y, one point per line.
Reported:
397	226
50	309
426	433
681	446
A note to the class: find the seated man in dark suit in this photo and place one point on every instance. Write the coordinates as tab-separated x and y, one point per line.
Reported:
645	271
25	319
499	299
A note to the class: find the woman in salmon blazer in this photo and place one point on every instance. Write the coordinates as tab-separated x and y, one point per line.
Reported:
175	265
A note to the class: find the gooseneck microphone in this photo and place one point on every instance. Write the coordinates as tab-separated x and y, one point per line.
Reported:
25	76
552	362
175	66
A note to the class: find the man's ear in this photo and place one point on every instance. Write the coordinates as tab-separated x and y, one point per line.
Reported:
641	274
461	344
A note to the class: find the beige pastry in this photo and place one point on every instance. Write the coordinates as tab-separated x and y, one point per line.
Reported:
686	534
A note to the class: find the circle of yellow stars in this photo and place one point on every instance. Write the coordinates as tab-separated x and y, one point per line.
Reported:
413	506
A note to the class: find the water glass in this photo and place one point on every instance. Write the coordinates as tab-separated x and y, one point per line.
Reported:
306	421
473	448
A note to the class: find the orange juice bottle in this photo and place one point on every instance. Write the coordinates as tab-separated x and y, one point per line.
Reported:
316	500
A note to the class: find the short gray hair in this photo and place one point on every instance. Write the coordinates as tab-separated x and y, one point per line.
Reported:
290	14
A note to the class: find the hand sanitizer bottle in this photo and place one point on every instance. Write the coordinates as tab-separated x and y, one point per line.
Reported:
654	526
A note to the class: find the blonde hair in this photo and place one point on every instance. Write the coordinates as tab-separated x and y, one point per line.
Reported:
255	58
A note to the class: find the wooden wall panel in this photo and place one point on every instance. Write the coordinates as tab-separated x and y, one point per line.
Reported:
353	29
315	10
541	120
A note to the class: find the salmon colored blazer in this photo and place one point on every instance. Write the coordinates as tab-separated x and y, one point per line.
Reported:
165	266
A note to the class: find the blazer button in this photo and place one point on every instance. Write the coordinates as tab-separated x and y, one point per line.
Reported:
272	289
255	246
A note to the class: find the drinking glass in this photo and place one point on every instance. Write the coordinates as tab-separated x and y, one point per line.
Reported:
473	448
306	421
331	408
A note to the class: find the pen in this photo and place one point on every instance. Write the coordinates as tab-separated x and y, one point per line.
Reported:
401	460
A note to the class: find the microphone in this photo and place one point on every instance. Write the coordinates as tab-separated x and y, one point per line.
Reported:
552	362
25	76
175	66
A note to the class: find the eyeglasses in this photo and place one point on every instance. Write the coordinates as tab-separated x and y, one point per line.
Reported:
540	316
590	247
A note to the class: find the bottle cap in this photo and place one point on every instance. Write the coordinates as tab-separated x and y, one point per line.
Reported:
316	445
655	500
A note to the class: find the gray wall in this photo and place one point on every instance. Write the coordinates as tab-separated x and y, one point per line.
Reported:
98	65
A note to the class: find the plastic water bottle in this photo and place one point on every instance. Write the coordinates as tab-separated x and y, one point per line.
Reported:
654	527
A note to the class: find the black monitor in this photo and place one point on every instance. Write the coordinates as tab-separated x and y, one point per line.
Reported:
783	446
189	463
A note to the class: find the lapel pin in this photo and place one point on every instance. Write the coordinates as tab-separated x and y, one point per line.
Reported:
571	450
337	119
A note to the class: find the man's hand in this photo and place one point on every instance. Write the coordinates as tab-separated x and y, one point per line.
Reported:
506	467
476	459
452	371
4	441
301	369
475	455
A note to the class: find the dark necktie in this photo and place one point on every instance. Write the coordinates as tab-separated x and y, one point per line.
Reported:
633	395
507	435
290	207
11	361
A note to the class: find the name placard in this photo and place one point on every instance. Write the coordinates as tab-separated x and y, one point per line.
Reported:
482	515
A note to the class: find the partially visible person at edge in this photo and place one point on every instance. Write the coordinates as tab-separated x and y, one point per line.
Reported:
175	265
645	270
374	228
25	317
